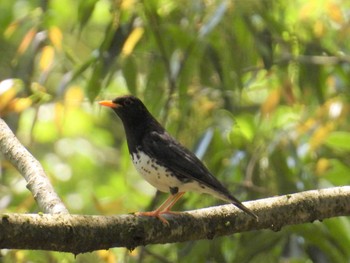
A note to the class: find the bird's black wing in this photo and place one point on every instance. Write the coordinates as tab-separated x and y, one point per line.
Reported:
179	160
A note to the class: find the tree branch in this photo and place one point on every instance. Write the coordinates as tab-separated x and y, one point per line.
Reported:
82	233
31	170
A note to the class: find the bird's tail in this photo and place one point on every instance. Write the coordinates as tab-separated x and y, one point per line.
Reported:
224	194
241	206
245	209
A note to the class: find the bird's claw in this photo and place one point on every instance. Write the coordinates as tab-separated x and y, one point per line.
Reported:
157	214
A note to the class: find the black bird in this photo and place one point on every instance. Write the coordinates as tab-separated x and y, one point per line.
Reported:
162	161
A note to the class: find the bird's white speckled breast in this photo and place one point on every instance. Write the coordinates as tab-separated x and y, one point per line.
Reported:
157	175
163	179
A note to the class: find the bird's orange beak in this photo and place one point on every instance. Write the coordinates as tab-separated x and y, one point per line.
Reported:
108	103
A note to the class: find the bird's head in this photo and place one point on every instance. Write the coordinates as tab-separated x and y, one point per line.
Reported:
130	110
128	106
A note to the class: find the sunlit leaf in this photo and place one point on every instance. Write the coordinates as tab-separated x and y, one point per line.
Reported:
271	102
107	256
75	122
322	166
47	58
338	140
132	40
19	104
45	132
28	38
55	35
308	9
306	126
127	4
9	89
73	96
243	131
284	117
334	12
319	28
320	135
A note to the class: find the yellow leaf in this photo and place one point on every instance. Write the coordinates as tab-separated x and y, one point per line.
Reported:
74	96
55	36
322	166
320	135
335	12
18	255
26	41
271	102
319	29
127	4
19	104
107	256
11	29
307	126
47	56
7	92
132	40
307	10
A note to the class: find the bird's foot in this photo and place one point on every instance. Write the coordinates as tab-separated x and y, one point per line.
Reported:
157	214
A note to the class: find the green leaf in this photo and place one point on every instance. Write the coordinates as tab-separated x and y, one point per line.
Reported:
85	10
339	140
129	71
95	84
243	130
339	173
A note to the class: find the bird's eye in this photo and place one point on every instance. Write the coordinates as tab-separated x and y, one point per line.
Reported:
127	102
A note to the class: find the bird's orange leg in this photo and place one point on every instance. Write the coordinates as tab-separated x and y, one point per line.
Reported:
172	203
163	208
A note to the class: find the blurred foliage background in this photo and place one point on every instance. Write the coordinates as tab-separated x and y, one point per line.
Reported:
259	89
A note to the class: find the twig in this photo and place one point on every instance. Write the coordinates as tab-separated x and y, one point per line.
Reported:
31	170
